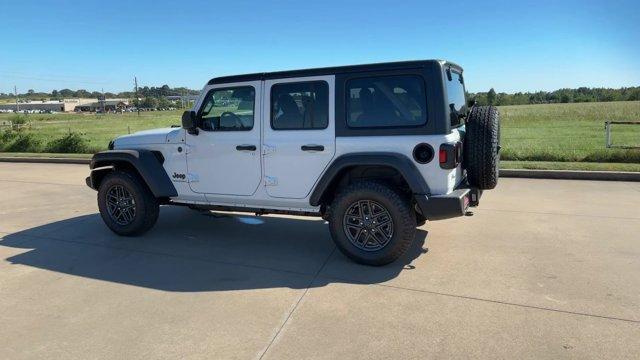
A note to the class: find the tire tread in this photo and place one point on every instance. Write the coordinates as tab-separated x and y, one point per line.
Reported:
149	211
399	203
481	147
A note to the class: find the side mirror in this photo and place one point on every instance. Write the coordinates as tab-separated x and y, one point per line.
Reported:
189	122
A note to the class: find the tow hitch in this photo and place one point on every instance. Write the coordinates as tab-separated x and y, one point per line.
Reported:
474	197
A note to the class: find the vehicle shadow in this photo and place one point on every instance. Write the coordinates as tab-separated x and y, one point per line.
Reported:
189	251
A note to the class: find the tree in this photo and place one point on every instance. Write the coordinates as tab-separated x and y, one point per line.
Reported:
165	90
67	93
149	102
30	92
82	93
491	97
164	103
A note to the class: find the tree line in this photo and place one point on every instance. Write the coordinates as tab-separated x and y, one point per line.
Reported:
491	97
581	94
143	92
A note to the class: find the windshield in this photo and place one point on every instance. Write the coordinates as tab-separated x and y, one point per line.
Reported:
455	93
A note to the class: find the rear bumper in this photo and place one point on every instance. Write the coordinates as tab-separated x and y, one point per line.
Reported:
448	206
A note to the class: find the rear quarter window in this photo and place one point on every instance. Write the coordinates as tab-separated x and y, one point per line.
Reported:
386	101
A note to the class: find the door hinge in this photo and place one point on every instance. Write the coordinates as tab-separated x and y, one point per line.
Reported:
268	149
270	181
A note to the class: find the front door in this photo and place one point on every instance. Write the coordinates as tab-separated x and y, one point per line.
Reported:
224	157
299	133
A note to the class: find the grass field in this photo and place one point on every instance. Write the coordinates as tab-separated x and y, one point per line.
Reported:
546	133
586	166
98	130
569	132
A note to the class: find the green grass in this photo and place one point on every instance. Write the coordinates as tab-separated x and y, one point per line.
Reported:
587	166
569	132
546	133
97	129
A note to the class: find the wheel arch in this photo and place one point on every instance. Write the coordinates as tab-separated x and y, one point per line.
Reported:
146	164
345	164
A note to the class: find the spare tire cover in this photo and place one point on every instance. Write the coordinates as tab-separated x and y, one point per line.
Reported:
482	147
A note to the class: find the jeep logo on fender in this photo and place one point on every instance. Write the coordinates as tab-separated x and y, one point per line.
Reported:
179	177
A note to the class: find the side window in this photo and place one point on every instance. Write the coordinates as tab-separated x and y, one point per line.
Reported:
298	106
229	109
386	101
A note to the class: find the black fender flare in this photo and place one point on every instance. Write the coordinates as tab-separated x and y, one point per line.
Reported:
398	161
146	163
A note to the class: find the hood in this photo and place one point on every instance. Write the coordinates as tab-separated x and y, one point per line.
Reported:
155	136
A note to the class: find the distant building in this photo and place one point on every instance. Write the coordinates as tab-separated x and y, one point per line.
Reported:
107	105
66	105
181	97
71	104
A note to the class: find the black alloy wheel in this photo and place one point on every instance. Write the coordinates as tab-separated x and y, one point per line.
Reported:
121	205
368	225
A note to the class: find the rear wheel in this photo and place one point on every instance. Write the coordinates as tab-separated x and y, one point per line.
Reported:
371	223
126	205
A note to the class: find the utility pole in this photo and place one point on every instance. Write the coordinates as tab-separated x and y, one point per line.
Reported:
135	80
103	100
15	92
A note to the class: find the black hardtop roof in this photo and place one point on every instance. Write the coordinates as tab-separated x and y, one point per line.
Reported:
325	71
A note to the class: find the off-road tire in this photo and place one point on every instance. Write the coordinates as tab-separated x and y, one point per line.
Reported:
146	205
399	208
482	147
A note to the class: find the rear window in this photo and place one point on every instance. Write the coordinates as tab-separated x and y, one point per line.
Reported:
387	101
455	92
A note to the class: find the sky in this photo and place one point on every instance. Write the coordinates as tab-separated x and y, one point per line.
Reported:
508	45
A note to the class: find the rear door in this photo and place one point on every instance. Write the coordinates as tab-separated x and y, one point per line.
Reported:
299	133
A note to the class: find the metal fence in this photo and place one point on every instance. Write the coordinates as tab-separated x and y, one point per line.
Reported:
608	136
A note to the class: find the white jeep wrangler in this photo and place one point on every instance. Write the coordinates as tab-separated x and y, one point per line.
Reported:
375	150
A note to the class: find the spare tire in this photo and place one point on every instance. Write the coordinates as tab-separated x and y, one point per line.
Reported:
482	147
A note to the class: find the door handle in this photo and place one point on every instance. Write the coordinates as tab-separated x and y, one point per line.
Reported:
312	148
246	148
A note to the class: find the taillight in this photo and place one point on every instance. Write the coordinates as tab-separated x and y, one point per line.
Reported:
450	155
443	156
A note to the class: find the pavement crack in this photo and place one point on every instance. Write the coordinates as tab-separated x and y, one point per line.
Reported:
466	297
561	214
317	274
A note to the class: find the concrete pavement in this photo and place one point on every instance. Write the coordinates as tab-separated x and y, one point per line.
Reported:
544	269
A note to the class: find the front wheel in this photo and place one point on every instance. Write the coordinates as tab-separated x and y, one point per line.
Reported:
371	223
126	205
